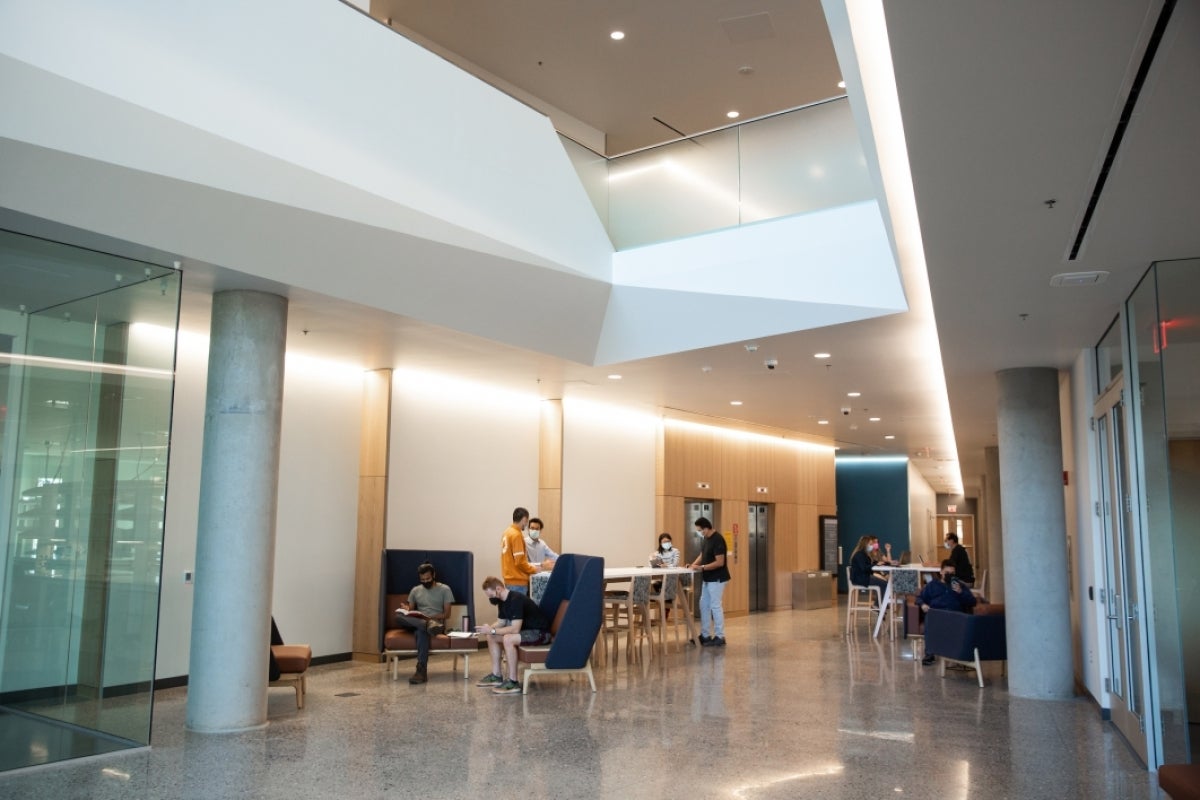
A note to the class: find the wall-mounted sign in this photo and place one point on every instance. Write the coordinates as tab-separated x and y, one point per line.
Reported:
951	509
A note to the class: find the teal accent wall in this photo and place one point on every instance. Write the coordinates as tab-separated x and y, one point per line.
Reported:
872	498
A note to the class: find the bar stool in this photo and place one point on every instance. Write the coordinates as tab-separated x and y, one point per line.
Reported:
862	600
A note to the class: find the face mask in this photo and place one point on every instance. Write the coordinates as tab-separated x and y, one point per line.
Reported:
949	546
666	547
534	534
494	601
873	547
427	583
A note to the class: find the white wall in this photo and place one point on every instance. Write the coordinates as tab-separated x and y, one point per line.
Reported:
922	508
317	503
1083	528
608	482
463	456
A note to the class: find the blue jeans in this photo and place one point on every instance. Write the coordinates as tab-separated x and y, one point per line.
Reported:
520	589
711	593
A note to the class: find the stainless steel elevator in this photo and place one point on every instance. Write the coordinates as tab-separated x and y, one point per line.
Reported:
758	530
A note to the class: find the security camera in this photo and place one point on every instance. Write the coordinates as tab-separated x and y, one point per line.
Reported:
771	363
845	411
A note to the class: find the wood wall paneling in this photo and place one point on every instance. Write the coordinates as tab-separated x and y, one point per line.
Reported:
737	593
760	471
550	461
785	464
783	555
376	422
371	536
668	517
732	460
372	516
549	511
550	445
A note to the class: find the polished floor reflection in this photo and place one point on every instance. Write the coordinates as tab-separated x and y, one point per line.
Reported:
789	709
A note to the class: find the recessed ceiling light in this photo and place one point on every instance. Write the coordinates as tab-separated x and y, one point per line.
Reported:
732	114
735	402
841	84
875	419
617	35
614	377
821	355
889	436
822	422
853	394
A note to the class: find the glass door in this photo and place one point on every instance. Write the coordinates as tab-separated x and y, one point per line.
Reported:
1121	594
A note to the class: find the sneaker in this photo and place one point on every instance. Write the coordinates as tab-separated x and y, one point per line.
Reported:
928	660
491	681
705	641
716	641
508	687
420	676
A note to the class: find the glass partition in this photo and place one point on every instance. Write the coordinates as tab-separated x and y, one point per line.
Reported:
799	161
1165	348
89	381
1174	342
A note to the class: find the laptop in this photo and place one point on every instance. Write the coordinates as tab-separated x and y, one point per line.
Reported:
906	557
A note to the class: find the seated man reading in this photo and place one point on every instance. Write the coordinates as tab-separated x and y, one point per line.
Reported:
520	621
948	593
425	614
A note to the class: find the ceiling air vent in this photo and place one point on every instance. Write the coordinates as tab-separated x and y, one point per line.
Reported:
1079	278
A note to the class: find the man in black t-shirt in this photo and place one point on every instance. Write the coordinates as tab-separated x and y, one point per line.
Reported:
714	574
520	622
962	561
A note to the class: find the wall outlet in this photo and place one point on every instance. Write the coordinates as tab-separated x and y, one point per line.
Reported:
188	576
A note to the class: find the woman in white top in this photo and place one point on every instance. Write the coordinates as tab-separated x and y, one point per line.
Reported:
666	555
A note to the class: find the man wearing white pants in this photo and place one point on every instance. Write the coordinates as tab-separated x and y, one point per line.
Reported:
713	574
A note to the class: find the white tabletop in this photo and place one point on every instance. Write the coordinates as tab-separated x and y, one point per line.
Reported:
918	567
617	573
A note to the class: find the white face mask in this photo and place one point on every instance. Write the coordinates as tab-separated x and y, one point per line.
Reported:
949	545
534	533
666	547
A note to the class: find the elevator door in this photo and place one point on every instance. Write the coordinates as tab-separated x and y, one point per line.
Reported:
759	565
692	543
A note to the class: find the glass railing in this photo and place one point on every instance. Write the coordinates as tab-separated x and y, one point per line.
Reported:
795	162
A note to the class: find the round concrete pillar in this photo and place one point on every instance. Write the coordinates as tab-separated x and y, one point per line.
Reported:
235	541
1037	605
995	521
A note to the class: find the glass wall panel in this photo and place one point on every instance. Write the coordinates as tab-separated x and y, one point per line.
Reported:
801	161
1177	340
675	190
1160	607
85	440
1108	358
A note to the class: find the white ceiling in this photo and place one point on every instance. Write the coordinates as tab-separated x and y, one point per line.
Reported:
1004	105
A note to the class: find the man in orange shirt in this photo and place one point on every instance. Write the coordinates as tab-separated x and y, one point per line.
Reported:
515	568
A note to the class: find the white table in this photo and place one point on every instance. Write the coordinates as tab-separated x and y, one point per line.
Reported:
885	605
618	574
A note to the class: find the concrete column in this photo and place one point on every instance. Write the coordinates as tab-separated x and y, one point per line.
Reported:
1037	605
235	542
995	524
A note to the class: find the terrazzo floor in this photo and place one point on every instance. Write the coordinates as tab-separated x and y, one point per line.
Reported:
789	709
